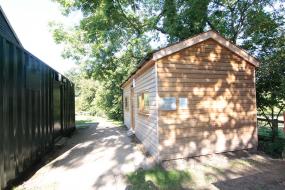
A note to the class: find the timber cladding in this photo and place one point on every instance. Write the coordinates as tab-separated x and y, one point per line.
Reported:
221	112
36	106
146	123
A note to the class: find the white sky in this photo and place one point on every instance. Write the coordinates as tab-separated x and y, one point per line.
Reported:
29	19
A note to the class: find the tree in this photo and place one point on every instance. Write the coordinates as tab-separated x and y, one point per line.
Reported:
114	35
266	40
86	93
271	83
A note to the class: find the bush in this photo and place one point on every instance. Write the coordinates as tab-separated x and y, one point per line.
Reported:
274	149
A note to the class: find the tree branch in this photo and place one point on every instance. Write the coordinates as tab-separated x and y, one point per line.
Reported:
268	120
243	14
160	30
211	25
282	107
137	28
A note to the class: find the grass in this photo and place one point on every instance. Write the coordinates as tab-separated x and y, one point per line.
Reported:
85	120
118	123
267	132
158	178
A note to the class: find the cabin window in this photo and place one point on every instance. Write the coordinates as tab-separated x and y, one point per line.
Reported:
167	103
126	104
143	102
183	103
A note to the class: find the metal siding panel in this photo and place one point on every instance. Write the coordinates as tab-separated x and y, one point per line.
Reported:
21	126
2	177
11	131
26	114
14	122
5	120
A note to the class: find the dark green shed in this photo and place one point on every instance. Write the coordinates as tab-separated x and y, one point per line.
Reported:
36	106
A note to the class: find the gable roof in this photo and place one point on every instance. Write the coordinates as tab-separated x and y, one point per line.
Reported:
173	48
6	29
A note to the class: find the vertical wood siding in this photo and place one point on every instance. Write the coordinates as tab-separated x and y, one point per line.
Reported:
146	125
26	109
127	113
221	113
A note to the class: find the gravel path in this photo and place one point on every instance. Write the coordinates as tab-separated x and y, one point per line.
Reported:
96	157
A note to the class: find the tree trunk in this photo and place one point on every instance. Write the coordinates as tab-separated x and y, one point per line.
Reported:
274	129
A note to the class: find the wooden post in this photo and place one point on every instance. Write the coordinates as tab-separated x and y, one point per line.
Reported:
284	121
283	153
274	129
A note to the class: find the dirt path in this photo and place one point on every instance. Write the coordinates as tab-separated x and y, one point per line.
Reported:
97	157
237	170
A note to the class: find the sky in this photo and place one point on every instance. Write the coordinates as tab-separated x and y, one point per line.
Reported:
29	19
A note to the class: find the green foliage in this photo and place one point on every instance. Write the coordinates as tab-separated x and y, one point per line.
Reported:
86	93
267	40
274	149
271	88
182	19
233	18
113	36
158	178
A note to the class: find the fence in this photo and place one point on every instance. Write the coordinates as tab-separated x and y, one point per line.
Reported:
276	127
36	106
279	122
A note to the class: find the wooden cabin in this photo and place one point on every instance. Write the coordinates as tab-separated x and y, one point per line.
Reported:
193	98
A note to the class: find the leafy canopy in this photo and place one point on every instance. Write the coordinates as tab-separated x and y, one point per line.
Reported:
113	35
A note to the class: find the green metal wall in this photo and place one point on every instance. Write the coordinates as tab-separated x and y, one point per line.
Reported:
27	109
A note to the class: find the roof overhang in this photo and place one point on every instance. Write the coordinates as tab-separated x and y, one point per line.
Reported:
140	69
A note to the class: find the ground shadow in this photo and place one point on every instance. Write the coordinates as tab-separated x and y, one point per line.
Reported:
263	180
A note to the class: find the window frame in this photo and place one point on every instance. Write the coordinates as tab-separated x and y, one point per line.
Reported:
179	103
126	103
163	107
143	106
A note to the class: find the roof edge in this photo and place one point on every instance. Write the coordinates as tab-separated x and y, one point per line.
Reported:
211	34
149	61
10	26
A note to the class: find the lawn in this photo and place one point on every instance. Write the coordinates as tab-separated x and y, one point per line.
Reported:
85	120
158	178
267	132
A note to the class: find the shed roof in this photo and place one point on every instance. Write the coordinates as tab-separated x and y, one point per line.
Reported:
176	47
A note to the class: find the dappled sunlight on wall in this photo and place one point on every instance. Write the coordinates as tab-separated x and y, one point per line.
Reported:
221	114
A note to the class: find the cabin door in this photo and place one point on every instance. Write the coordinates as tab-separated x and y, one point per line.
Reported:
132	106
